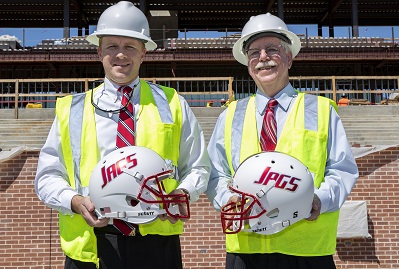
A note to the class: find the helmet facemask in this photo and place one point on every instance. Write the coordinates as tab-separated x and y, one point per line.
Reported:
153	191
235	215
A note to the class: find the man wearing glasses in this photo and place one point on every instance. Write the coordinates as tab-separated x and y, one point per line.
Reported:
279	118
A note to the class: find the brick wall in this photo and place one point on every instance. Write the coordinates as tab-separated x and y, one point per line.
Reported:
29	234
29	230
378	185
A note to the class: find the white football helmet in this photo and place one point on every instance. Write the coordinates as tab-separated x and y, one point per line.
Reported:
128	184
275	190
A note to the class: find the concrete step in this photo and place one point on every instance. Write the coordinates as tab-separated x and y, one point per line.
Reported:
362	133
373	125
381	142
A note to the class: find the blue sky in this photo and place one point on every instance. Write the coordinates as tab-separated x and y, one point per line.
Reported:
33	36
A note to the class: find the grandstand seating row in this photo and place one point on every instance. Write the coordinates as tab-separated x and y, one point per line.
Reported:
310	42
80	43
363	125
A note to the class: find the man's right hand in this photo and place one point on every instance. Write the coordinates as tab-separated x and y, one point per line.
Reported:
85	207
234	200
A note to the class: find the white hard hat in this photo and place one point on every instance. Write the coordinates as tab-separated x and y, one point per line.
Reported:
123	19
264	25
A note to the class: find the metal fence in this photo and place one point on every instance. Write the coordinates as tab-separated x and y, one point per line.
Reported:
22	93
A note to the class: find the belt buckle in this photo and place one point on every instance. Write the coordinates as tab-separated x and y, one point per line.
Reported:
132	232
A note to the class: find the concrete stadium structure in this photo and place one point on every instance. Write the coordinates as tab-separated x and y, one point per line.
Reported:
29	236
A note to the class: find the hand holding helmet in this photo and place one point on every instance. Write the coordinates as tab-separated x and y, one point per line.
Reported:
130	184
184	210
316	207
273	191
83	206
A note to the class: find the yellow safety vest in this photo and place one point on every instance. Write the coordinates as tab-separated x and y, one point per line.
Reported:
77	238
304	238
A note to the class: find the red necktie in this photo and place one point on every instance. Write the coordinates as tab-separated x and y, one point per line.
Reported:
125	137
125	132
268	135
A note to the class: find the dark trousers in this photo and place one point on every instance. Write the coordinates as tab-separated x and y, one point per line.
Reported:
277	261
117	251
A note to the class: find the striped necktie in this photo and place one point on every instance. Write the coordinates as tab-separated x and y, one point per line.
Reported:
268	135
125	137
125	131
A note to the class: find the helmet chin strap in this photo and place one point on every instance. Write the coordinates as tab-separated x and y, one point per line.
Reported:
263	191
273	226
137	213
126	215
139	177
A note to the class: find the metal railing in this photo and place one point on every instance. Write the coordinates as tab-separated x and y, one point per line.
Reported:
21	93
80	43
198	91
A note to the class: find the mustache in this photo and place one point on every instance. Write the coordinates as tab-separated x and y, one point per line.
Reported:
270	63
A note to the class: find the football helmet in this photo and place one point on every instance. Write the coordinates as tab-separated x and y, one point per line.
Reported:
129	184
275	191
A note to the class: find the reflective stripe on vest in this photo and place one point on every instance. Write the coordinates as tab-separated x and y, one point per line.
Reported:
79	144
305	137
77	238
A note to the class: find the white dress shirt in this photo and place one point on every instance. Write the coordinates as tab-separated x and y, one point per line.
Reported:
340	174
51	178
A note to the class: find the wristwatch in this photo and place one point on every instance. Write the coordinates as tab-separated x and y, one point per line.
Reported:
185	192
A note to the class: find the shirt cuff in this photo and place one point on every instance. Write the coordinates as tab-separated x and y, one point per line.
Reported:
324	201
66	200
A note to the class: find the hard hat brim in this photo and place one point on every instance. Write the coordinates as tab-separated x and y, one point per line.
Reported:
148	43
238	48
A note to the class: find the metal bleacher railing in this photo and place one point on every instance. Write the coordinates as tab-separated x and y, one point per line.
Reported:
80	43
22	93
307	42
205	38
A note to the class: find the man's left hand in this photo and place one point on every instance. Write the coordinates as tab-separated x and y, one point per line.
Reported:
316	207
182	209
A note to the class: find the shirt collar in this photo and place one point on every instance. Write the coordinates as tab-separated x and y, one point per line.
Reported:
111	89
284	98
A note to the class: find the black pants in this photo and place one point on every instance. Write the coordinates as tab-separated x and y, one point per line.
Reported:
117	251
277	261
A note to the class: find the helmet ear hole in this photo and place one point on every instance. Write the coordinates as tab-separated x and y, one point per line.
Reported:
131	201
273	213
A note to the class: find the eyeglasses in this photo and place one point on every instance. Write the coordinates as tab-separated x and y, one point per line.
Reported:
113	111
271	51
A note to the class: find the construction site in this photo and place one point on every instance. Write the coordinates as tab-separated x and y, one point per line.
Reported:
203	70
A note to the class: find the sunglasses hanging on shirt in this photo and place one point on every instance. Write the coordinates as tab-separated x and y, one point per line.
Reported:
113	111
